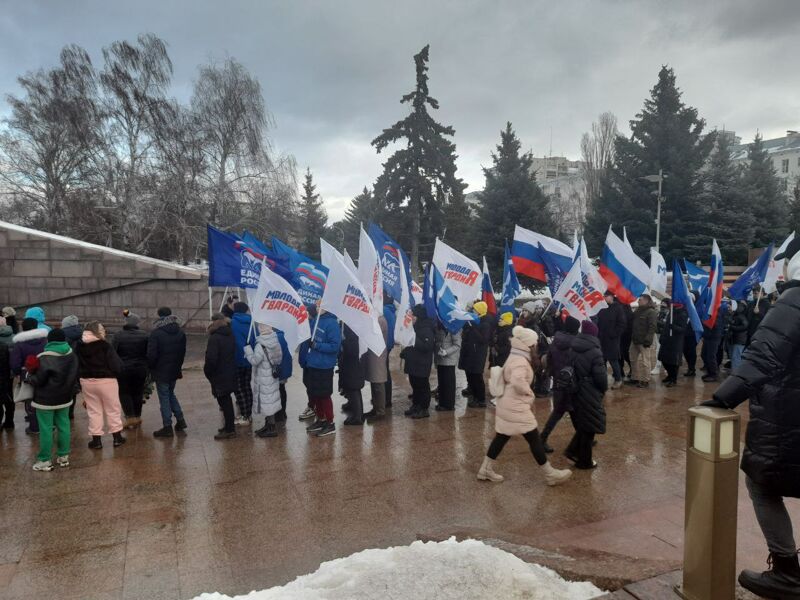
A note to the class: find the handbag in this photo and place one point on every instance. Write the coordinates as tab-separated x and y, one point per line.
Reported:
23	392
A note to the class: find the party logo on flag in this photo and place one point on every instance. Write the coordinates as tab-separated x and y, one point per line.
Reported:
251	269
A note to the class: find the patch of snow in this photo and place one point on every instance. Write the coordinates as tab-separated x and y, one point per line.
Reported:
449	570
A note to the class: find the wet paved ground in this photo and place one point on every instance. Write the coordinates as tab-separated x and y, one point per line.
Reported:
170	519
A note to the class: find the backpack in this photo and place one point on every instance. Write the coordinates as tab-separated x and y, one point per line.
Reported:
497	383
566	380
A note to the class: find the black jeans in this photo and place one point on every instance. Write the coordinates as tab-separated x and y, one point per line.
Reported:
281	414
690	351
672	372
226	406
388	383
7	405
447	386
533	439
710	347
356	402
30	414
421	390
616	369
131	392
477	386
560	407
580	448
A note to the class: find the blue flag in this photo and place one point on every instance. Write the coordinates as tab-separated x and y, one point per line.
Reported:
308	276
753	276
228	264
511	287
698	277
390	254
681	295
429	294
450	314
553	270
279	265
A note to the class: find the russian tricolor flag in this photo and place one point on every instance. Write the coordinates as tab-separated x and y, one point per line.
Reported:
487	292
625	273
526	253
711	297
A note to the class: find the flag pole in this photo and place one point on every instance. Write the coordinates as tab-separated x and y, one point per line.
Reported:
224	295
756	309
210	300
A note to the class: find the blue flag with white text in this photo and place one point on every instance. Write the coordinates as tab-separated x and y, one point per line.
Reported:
308	276
392	258
753	276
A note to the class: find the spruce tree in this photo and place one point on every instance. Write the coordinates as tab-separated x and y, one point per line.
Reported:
419	182
510	197
666	135
312	218
768	204
794	209
722	208
361	211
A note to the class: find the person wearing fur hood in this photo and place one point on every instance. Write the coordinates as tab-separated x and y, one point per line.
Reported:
265	360
514	415
27	343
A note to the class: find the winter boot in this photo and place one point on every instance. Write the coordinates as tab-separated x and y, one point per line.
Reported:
553	476
180	425
782	580
164	432
118	439
268	431
486	472
96	443
225	435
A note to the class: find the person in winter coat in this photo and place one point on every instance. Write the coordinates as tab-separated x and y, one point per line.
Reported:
166	350
30	342
390	314
6	386
645	324
475	339
418	362
448	348
73	331
538	316
266	362
376	372
588	414
514	415
36	312
286	374
318	358
99	367
673	325
625	341
240	324
738	328
712	338
769	376
690	347
756	313
501	340
54	379
228	310
351	377
558	357
11	318
611	323
220	370
130	344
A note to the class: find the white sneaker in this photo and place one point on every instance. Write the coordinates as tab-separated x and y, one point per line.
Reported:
307	414
241	421
43	465
62	461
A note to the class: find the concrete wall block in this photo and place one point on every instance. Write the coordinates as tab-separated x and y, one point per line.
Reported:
144	270
166	298
118	268
7	253
63	252
16	236
33	253
35	243
72	268
31	268
3	238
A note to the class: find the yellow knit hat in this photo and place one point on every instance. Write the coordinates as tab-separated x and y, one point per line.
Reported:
506	319
481	308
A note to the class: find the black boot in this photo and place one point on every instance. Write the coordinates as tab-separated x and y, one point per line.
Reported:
782	580
268	431
164	432
96	443
180	425
118	439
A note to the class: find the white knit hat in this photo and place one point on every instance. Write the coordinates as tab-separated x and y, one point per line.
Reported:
526	336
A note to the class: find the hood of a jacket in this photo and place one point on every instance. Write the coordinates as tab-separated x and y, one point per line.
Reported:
58	347
170	324
6	331
221	326
35	312
33	334
563	340
267	339
584	343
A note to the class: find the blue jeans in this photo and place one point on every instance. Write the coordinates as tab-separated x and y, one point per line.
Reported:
168	402
736	355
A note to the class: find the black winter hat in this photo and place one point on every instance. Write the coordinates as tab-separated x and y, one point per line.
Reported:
29	324
56	335
572	326
419	311
240	307
164	311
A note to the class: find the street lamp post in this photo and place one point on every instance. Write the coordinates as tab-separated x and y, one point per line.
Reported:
657	179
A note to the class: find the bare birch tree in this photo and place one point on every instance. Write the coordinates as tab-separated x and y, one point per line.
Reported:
597	150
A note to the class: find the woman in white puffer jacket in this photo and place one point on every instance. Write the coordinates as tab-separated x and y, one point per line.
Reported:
266	362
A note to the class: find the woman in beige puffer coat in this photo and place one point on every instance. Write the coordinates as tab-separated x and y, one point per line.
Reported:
514	415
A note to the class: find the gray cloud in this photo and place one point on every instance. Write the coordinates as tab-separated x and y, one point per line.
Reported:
333	72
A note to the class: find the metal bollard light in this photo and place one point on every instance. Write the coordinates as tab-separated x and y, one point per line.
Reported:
712	490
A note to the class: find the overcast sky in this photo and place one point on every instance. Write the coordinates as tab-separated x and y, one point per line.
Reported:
333	72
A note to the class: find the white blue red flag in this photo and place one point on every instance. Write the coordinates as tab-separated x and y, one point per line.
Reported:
527	253
487	292
627	275
711	298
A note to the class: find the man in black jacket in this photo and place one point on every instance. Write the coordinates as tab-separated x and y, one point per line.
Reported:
419	361
130	344
769	375
220	370
611	323
166	350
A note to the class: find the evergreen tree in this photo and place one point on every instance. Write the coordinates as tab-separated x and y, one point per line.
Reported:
794	209
722	210
312	218
419	180
666	135
768	205
510	197
361	211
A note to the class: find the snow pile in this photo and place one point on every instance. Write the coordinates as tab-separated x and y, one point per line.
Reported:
434	570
